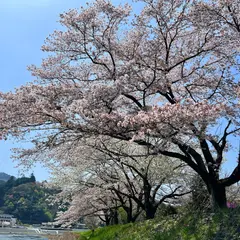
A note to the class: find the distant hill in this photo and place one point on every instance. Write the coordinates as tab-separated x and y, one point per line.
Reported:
4	176
26	199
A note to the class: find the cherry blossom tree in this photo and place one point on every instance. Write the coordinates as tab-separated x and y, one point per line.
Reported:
78	192
87	202
85	189
148	180
166	78
116	175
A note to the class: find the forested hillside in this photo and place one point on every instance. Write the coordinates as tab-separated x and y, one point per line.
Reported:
26	200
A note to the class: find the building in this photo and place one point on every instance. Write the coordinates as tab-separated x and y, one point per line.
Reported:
7	220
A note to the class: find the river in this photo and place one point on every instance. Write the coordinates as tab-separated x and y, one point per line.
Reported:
21	237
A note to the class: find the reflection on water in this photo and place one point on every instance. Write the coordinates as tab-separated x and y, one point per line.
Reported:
21	237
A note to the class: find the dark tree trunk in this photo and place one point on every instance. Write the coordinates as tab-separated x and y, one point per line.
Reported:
115	217
128	211
218	195
107	217
129	217
107	221
149	208
150	212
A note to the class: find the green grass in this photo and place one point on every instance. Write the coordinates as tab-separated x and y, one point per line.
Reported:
107	233
224	225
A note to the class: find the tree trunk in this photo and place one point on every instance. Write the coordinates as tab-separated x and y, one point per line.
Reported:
149	208
150	212
128	211
107	220
114	217
129	217
218	196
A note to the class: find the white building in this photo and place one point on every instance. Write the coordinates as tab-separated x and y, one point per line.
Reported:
7	220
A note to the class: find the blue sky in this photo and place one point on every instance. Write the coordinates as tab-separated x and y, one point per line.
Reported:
24	25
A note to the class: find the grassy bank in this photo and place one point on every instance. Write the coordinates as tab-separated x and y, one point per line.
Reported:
225	225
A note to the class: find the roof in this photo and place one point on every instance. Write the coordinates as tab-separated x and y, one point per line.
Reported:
6	216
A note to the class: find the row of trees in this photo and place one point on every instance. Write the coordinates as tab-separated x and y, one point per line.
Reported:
166	80
112	175
26	199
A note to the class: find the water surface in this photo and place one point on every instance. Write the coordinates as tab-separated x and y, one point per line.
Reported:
21	237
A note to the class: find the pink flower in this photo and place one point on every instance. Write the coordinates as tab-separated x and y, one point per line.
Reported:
231	205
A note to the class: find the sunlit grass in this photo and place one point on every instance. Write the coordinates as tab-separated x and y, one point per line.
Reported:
224	225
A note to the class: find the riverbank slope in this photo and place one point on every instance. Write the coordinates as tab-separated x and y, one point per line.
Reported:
195	226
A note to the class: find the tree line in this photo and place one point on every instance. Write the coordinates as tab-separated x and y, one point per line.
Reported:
26	199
